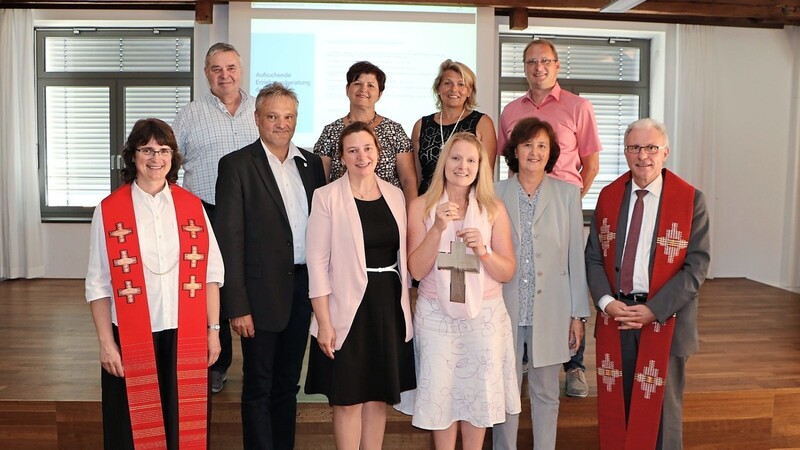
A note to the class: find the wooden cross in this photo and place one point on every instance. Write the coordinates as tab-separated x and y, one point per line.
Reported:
192	286
119	232
192	229
458	262
130	292
193	257
124	261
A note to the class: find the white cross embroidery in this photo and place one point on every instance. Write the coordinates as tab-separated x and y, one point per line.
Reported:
672	242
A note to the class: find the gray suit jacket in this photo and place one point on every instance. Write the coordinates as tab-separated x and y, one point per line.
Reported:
679	294
561	291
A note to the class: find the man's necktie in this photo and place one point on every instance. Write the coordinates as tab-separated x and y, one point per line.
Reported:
631	243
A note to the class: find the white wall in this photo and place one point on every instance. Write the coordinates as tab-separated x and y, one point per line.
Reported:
755	154
753	194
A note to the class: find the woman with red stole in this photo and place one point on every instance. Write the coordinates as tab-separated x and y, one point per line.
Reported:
153	287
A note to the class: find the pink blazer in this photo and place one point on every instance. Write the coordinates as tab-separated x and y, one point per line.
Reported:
335	254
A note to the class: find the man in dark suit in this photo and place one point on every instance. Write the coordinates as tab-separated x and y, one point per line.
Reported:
647	290
263	197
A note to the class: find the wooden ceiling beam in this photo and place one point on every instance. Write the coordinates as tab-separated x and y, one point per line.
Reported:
518	19
204	12
748	13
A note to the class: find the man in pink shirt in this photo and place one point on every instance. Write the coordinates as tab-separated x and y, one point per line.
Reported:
572	118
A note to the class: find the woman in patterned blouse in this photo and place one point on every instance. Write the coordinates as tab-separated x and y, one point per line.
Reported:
365	85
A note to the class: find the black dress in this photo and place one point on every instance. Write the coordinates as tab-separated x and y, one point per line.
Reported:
430	142
374	363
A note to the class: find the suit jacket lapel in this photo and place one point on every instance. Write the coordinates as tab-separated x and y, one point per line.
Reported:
353	218
261	164
622	228
545	195
511	199
305	175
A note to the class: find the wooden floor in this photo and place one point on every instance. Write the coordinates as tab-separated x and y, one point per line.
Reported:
743	388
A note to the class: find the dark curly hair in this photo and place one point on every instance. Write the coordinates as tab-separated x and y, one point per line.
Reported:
366	67
525	130
141	133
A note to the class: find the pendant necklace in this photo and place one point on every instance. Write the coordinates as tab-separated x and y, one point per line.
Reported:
441	128
350	121
360	195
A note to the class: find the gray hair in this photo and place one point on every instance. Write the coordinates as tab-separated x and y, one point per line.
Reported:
276	89
648	124
221	47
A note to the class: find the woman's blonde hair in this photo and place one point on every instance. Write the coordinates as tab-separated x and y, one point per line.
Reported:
483	184
464	72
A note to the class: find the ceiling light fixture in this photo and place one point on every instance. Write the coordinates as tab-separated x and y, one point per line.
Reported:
621	6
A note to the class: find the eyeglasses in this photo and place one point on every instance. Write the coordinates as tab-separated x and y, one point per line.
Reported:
545	61
148	152
650	149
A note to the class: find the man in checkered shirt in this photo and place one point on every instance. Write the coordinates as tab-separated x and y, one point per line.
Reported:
207	129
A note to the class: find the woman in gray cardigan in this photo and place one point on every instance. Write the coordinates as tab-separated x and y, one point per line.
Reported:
547	299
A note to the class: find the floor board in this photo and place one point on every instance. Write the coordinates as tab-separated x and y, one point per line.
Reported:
743	387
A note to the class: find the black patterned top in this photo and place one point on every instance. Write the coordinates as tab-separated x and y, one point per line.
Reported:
391	137
430	142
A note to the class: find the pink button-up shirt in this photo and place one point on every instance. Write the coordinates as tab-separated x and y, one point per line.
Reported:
572	118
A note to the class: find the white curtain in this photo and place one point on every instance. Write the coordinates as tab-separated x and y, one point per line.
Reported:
791	262
20	228
692	143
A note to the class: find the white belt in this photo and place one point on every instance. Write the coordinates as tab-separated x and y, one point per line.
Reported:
392	268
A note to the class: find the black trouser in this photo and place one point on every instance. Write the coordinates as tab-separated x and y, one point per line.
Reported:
272	362
226	354
117	430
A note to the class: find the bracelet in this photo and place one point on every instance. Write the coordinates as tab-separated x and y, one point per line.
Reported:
582	319
214	327
486	255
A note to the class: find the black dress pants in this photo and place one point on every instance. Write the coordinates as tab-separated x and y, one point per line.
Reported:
272	362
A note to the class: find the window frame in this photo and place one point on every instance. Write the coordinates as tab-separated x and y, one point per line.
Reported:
116	82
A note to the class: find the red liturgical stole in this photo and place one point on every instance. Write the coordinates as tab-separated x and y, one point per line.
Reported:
133	317
673	226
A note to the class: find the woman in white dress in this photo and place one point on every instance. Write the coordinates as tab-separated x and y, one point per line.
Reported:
466	378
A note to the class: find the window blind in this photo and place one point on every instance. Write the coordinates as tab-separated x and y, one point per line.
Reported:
119	54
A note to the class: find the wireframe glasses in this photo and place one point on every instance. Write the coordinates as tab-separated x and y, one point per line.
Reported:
544	61
148	152
649	149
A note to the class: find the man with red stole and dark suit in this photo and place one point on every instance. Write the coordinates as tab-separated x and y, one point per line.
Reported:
647	255
263	199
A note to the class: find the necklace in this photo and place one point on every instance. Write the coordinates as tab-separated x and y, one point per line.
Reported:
161	273
360	195
441	128
350	121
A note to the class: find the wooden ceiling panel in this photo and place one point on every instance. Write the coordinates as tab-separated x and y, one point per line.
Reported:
750	13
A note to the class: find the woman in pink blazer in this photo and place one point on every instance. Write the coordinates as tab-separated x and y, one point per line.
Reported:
361	354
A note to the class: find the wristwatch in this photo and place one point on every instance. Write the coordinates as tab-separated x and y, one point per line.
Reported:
214	326
582	319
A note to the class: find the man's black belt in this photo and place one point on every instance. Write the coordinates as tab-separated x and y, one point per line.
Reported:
638	298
